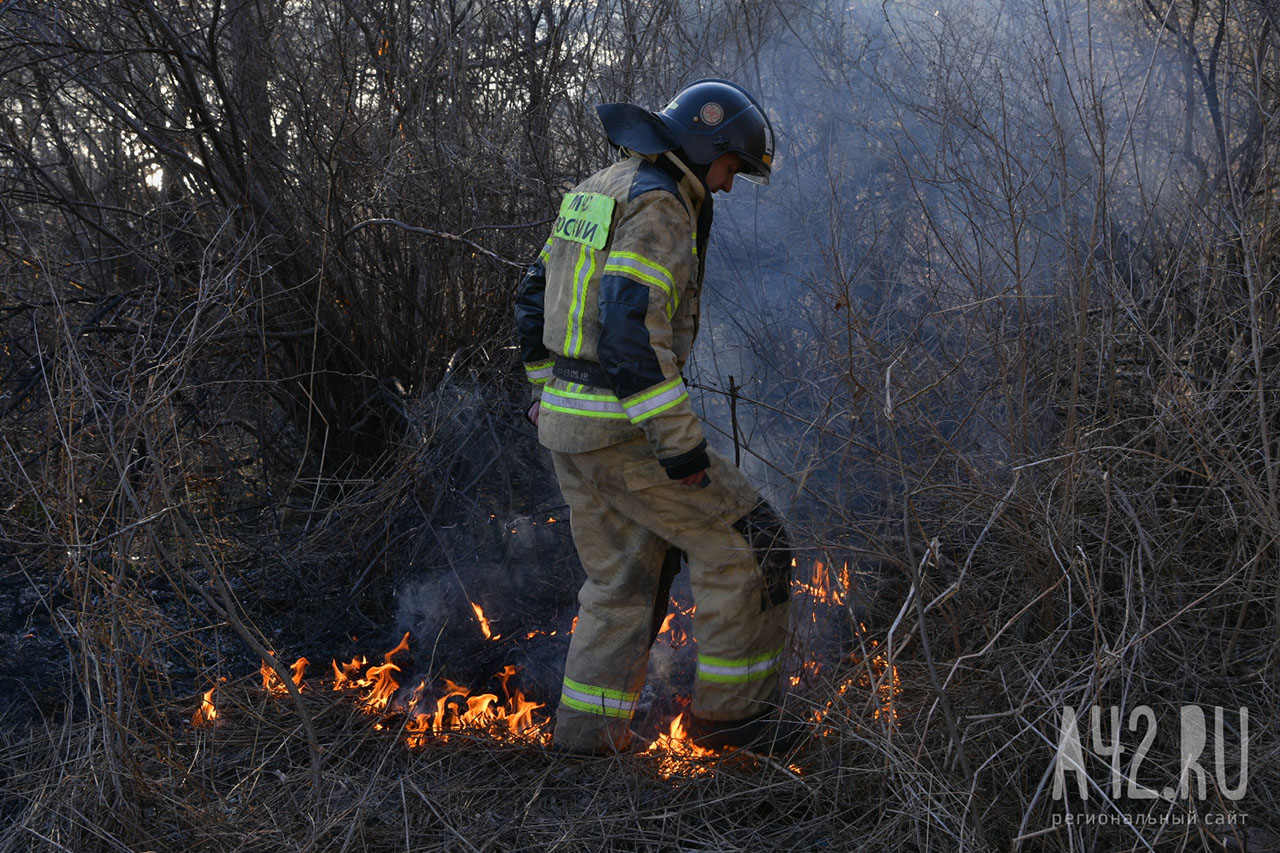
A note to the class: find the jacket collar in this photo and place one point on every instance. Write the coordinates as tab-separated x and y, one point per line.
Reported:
697	189
692	184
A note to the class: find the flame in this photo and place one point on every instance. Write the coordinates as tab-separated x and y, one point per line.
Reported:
347	675
383	686
876	675
511	719
434	715
402	647
822	586
484	623
678	755
807	674
887	689
880	677
206	714
666	624
457	710
272	683
675	634
380	681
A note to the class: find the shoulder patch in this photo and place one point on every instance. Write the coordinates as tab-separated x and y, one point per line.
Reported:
651	176
585	218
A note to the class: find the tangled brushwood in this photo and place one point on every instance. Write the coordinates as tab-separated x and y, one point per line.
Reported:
1000	340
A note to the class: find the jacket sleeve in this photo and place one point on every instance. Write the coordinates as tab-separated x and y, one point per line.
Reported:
530	310
649	261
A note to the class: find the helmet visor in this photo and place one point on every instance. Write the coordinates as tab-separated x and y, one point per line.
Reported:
757	170
757	149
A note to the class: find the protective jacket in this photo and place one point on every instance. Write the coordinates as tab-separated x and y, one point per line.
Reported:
608	312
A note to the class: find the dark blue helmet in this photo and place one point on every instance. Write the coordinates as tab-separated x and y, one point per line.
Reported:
711	117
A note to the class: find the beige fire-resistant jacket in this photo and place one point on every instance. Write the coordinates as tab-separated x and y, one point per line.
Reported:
608	313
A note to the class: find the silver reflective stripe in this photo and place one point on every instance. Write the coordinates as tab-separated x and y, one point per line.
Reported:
597	700
736	671
591	405
582	273
538	373
650	403
642	269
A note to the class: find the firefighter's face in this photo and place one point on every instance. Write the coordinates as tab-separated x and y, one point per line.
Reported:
721	172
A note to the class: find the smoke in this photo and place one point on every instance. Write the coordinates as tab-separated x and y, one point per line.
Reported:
943	171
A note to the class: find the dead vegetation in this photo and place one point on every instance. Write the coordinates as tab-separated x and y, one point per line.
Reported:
1003	340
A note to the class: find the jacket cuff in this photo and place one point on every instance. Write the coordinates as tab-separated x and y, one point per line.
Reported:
687	464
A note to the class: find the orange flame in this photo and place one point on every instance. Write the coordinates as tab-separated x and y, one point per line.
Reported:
347	675
206	714
676	635
383	686
272	683
484	623
881	678
887	689
666	624
822	586
381	683
457	710
677	753
808	673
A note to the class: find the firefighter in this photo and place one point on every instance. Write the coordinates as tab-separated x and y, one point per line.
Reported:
606	318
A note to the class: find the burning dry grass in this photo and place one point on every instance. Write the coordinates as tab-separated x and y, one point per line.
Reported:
438	767
245	781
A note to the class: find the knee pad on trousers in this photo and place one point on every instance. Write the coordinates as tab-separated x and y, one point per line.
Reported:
763	529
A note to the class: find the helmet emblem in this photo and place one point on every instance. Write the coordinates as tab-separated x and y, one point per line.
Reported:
711	113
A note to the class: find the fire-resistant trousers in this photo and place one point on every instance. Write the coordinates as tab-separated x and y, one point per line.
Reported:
624	512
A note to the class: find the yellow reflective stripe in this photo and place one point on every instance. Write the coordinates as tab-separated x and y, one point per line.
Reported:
737	671
540	372
653	268
642	269
575	409
546	249
593	708
656	400
607	692
597	700
583	395
582	272
695	244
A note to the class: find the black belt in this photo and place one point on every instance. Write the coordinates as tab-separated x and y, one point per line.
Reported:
580	371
